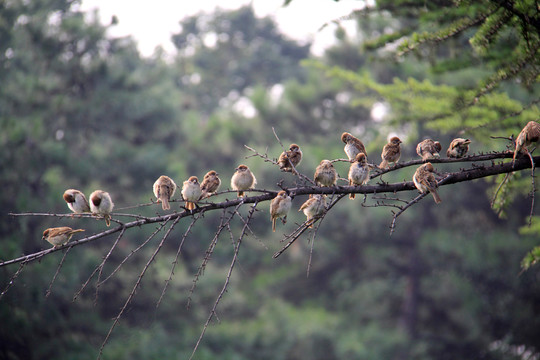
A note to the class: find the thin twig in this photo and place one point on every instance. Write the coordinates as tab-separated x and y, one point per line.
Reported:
227	280
132	252
56	273
102	265
184	237
136	286
12	279
533	188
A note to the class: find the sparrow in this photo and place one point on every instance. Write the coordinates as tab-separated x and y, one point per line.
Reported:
391	152
325	174
164	189
292	156
191	192
210	184
313	207
101	203
530	134
279	208
458	148
242	179
428	149
358	172
59	236
353	146
425	181
76	201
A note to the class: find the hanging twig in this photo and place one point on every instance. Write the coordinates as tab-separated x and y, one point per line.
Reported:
227	280
136	286
48	292
184	237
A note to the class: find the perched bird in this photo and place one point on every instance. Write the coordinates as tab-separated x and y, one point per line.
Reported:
353	146
391	152
59	236
279	208
325	174
242	180
191	192
458	148
292	156
313	207
76	201
358	172
425	181
101	204
210	184
530	134
164	189
428	149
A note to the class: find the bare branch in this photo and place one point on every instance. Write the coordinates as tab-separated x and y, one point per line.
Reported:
136	286
227	279
56	273
186	233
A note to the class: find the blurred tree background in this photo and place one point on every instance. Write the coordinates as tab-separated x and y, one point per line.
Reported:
79	109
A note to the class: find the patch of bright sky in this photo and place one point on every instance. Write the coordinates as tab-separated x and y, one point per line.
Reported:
153	23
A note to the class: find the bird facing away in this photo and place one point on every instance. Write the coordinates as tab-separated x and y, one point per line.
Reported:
358	172
353	146
101	204
428	149
76	201
530	134
425	181
59	236
279	208
164	189
313	208
242	180
325	174
191	192
391	152
292	156
458	148
210	184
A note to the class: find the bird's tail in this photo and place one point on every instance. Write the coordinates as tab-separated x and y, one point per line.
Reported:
384	164
76	231
436	197
107	219
240	194
190	205
274	224
351	196
165	203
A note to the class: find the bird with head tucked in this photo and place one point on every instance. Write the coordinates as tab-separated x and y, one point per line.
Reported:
76	201
458	148
325	174
210	184
429	149
164	189
101	204
425	181
313	208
